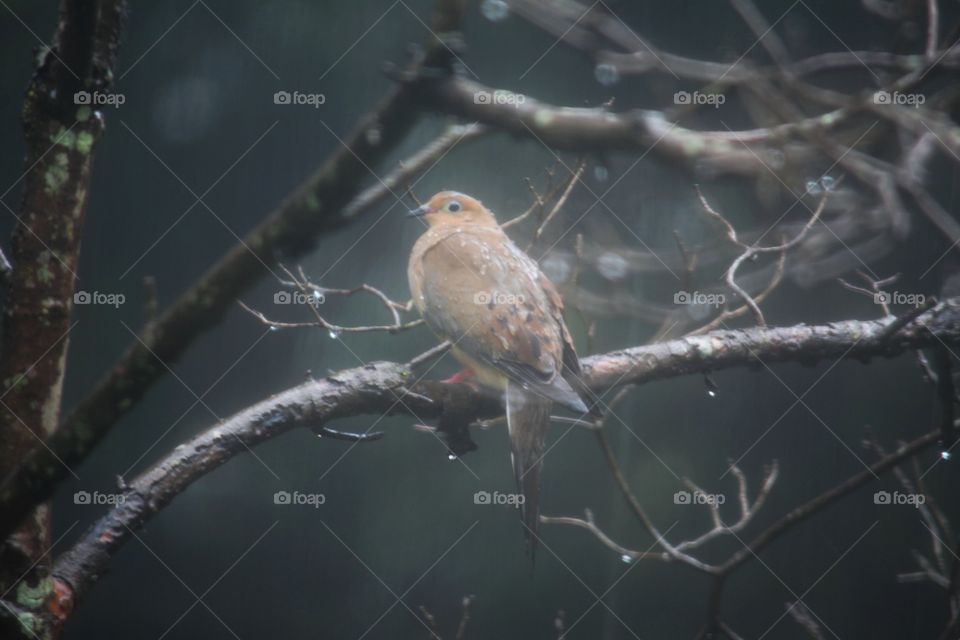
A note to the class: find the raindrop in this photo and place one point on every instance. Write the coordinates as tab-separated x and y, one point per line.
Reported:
626	558
813	187
274	328
451	456
334	334
712	388
601	173
557	268
945	455
828	182
495	10
606	74
612	265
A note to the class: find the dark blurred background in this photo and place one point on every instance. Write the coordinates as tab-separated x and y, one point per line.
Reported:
199	80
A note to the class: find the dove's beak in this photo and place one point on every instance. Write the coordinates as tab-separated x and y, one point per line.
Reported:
420	211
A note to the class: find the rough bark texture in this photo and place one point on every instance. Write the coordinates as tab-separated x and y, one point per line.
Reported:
60	138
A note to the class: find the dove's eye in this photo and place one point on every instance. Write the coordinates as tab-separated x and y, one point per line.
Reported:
453	206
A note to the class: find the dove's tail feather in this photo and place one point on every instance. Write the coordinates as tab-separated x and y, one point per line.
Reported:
528	420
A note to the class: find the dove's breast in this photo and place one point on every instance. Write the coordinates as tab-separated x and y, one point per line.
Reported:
476	289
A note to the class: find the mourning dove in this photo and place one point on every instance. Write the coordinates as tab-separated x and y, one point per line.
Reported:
476	288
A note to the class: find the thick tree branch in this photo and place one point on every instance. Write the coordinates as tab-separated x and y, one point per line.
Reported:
61	134
386	387
598	129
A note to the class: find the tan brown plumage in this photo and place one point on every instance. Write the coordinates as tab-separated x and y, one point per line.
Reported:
475	287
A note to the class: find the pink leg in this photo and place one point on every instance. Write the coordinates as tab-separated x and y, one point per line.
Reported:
464	375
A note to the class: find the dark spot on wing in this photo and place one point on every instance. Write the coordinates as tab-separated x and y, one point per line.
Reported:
535	346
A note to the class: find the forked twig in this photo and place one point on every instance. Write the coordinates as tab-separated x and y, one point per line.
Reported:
751	250
314	295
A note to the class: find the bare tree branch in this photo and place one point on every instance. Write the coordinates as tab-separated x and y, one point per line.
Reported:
394	388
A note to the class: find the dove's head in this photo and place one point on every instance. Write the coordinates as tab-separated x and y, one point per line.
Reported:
453	207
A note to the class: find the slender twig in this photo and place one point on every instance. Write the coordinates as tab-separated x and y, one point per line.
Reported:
571	183
314	295
751	250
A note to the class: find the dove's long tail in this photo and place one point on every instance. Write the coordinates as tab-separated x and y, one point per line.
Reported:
528	420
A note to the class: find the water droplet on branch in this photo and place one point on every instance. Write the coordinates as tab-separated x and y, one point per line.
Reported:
606	74
612	266
712	387
495	10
